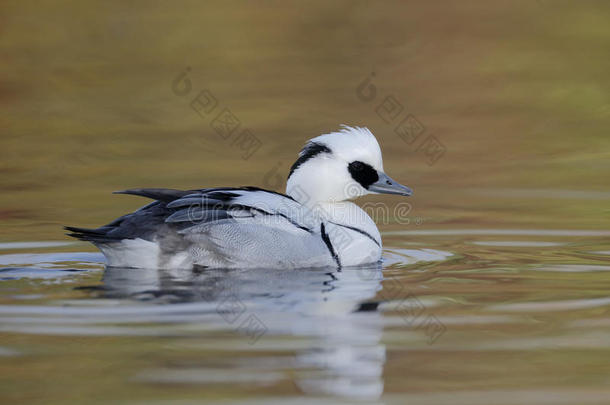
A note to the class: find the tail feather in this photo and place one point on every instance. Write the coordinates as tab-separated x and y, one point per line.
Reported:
89	235
160	194
142	224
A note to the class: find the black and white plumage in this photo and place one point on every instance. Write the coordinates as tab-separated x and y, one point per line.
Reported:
312	225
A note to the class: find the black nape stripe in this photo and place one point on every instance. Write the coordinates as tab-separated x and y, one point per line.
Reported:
329	245
363	173
311	150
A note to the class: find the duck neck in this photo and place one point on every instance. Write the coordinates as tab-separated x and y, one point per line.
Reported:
344	213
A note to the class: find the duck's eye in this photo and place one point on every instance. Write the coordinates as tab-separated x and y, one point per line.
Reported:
363	173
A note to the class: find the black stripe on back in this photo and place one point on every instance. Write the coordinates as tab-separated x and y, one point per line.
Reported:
329	245
353	228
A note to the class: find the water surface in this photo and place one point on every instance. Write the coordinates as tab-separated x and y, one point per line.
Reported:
451	316
495	282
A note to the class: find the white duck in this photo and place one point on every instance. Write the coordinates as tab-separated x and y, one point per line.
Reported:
313	225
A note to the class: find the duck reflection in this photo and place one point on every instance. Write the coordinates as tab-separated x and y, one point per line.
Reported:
334	310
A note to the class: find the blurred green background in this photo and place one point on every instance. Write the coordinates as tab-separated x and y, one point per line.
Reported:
517	92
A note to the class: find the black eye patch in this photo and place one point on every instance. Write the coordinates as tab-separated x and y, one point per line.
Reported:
363	173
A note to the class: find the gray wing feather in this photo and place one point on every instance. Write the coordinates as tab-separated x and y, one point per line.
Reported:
196	215
196	200
177	211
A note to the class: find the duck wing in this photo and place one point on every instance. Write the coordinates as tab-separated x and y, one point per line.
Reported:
244	204
181	210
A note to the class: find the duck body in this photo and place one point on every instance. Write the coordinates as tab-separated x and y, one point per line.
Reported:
235	227
313	225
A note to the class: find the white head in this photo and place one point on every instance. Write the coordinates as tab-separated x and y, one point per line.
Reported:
340	166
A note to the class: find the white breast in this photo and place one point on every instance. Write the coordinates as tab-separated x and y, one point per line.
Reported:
352	233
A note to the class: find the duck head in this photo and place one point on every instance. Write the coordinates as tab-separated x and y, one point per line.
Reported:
340	166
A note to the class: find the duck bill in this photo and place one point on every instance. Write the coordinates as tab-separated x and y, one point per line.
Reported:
386	185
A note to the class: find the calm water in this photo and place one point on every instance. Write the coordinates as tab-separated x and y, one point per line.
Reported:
496	289
452	316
